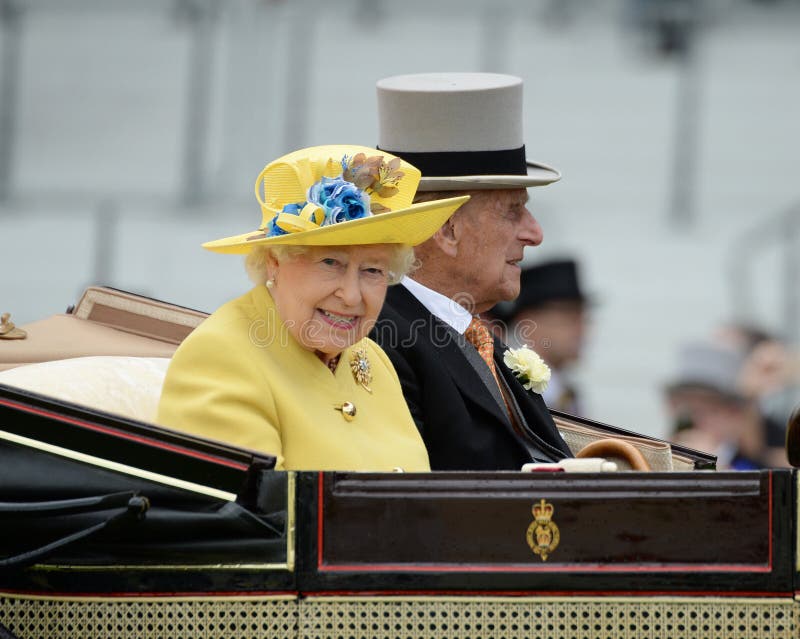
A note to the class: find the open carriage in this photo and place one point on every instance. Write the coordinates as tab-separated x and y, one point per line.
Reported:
113	527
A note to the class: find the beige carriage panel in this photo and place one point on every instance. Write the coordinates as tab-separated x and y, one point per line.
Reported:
104	322
658	454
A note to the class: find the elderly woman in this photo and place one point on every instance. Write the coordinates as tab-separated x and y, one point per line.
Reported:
287	368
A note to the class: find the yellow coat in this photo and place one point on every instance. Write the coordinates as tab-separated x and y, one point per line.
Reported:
241	378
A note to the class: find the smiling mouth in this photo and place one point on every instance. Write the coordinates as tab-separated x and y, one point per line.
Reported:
337	320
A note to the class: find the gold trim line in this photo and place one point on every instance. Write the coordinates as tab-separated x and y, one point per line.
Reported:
116	466
162	599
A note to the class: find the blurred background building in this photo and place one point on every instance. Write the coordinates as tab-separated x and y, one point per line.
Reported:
130	132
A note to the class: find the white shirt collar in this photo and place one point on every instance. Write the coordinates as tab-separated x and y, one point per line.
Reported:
443	307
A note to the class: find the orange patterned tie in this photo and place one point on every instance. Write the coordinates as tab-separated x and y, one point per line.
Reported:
478	335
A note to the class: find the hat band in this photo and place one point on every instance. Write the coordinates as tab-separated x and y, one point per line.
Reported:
446	163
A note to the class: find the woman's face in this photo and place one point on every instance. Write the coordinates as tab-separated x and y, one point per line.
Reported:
329	297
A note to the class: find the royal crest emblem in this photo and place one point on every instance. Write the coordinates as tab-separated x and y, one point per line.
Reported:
543	535
359	364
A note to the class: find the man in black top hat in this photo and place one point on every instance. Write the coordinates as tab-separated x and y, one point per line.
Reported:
551	316
464	132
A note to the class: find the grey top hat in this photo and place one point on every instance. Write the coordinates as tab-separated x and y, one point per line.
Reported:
711	367
462	130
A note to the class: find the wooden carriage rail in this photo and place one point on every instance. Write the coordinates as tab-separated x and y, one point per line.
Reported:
719	534
381	604
125	441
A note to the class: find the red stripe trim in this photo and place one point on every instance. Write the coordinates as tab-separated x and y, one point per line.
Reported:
418	593
123	435
516	568
320	495
769	518
644	594
155	593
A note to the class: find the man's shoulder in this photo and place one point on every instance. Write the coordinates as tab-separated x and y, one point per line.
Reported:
400	301
393	330
400	314
406	325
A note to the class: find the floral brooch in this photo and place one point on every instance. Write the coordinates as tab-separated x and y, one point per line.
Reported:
529	368
360	367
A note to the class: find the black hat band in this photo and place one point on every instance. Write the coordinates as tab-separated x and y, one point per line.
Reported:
448	163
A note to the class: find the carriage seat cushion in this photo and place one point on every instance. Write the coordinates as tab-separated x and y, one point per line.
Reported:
128	386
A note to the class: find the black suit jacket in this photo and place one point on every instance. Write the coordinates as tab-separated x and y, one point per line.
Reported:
454	398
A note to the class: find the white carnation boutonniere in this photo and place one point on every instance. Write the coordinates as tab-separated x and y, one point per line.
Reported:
529	367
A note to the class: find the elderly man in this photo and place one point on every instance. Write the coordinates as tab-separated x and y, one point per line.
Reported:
464	132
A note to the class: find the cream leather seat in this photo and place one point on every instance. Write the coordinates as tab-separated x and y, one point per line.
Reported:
127	386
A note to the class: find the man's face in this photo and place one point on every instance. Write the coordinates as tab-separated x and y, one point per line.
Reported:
720	419
497	226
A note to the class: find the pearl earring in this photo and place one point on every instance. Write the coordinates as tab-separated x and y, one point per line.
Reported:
270	283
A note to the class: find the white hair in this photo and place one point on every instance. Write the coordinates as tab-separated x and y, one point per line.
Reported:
402	260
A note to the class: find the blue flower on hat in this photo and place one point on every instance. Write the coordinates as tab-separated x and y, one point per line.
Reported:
294	209
273	230
342	200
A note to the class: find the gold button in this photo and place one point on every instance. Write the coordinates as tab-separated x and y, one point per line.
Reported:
348	410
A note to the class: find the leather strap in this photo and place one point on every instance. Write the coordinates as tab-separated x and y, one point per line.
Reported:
124	504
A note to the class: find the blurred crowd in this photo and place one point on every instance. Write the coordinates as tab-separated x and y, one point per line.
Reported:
730	394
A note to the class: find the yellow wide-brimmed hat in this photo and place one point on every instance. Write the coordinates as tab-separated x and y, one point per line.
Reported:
340	195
